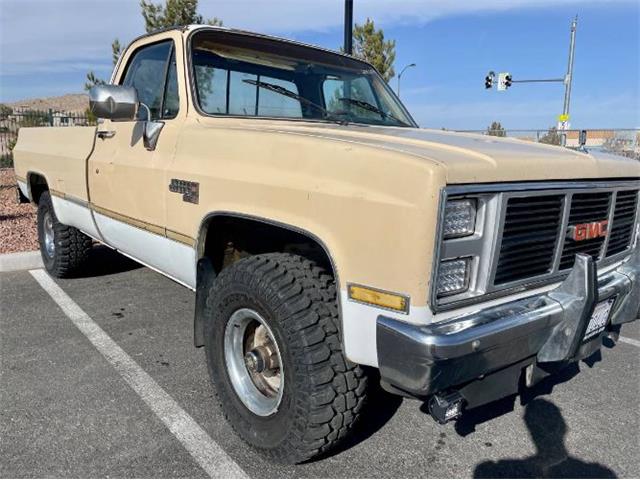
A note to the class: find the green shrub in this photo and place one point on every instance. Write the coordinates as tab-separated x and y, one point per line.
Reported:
6	160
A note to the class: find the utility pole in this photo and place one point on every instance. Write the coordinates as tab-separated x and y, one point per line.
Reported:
348	27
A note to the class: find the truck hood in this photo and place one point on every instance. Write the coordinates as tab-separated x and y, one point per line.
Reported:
475	158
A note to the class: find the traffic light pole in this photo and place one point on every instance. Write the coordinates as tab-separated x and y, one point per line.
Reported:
569	76
539	80
567	80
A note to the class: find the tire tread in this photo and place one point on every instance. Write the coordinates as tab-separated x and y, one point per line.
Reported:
332	388
72	246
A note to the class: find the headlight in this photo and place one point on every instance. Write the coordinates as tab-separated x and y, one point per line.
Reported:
453	276
459	218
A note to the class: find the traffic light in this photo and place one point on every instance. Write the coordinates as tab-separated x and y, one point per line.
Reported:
488	80
507	80
504	81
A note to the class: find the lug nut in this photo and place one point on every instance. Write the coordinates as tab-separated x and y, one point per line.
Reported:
254	361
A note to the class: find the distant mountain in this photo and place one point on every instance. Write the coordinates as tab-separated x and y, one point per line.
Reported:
73	102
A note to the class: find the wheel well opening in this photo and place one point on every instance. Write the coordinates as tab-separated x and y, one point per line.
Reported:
37	186
227	239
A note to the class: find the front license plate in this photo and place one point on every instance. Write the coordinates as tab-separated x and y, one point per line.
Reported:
599	318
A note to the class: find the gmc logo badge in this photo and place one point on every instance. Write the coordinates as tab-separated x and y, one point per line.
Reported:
587	231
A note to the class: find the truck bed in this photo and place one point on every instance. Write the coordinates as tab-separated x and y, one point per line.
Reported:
59	154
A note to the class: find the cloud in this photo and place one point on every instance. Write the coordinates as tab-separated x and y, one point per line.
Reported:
303	15
39	36
20	68
47	37
34	32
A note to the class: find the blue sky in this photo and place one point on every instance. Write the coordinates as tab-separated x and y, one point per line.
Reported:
47	46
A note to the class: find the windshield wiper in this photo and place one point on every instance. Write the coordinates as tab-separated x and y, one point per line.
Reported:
372	108
288	93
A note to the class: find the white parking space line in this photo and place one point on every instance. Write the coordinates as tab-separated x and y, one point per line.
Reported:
630	341
206	452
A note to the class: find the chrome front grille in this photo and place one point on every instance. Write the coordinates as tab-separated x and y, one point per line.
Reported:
621	231
528	234
586	208
529	237
536	240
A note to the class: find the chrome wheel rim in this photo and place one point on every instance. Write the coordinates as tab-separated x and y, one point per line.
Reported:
49	240
253	362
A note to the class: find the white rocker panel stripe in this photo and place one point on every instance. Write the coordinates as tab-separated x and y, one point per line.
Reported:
75	214
173	259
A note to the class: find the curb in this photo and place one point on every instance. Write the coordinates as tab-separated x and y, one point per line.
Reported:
11	262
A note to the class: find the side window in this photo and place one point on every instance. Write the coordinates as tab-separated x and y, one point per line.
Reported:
156	84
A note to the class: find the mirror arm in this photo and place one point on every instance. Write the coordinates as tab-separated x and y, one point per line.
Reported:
144	105
152	129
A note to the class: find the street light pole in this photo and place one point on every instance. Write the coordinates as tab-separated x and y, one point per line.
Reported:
400	75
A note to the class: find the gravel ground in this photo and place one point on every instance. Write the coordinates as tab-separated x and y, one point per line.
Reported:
18	231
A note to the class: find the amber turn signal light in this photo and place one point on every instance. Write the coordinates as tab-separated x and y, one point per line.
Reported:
379	298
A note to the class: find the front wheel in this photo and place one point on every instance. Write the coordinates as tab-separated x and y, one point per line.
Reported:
275	357
64	249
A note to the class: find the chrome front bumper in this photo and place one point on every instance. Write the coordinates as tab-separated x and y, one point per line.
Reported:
542	330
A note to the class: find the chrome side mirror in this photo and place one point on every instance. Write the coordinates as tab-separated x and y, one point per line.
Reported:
117	102
114	102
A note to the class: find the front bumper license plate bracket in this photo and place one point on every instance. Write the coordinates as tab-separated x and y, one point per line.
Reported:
599	318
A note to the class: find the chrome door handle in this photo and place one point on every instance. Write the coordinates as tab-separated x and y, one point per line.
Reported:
106	134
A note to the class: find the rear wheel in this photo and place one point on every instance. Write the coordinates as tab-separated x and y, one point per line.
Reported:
275	357
64	249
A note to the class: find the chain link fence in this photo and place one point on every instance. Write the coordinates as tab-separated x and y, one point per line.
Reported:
624	142
11	120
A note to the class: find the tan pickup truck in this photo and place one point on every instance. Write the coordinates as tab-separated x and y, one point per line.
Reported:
329	240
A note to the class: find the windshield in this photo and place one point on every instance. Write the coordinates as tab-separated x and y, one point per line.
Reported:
247	75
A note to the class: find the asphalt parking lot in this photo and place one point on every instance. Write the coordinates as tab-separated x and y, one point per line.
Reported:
68	409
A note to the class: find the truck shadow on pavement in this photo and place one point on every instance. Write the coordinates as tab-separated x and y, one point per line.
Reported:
105	261
551	460
471	418
547	429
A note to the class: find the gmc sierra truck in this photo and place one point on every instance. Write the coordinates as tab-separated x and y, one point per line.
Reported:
328	239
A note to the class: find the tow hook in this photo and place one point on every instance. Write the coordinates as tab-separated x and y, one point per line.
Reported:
445	407
613	335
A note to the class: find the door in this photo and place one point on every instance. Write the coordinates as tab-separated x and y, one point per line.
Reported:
127	182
